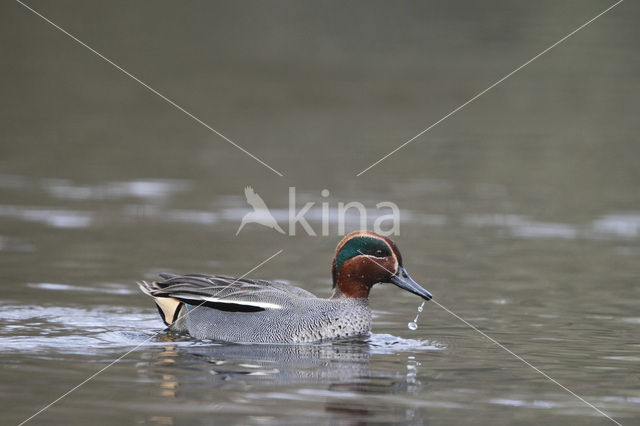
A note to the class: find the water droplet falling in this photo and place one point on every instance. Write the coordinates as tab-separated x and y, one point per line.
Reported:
413	325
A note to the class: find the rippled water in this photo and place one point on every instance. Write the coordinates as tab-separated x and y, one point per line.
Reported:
521	213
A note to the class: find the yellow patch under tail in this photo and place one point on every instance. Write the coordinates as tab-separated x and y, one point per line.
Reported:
169	308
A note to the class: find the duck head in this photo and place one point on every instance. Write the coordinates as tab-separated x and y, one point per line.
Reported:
365	258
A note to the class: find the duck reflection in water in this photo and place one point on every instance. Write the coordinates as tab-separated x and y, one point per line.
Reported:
272	363
261	377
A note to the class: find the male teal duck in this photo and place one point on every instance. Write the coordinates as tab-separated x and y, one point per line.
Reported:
246	310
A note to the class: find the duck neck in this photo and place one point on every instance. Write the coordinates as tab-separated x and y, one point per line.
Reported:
349	286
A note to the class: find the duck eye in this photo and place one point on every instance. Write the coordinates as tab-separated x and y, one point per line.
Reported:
379	253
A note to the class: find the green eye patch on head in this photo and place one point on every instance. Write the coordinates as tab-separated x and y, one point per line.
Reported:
361	245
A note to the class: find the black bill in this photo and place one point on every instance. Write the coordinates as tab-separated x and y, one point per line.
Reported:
405	282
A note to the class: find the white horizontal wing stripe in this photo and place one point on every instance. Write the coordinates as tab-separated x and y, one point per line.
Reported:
265	305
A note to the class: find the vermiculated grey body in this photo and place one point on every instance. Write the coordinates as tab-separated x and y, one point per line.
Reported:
304	320
242	310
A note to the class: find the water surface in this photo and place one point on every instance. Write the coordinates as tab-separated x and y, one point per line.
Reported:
521	213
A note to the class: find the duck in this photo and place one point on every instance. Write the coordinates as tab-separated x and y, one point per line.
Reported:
243	310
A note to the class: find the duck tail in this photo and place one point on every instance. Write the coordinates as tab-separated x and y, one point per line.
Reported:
169	308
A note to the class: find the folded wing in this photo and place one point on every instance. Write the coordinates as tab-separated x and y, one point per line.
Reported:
220	292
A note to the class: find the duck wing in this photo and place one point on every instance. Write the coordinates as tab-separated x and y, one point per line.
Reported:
225	293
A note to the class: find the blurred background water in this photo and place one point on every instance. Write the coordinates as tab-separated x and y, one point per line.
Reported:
521	213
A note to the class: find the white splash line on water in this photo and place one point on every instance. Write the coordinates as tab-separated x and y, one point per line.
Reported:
134	349
505	348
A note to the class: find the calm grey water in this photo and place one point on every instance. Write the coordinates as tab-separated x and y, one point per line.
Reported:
521	213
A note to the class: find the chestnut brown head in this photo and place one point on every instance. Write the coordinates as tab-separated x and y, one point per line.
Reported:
365	258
